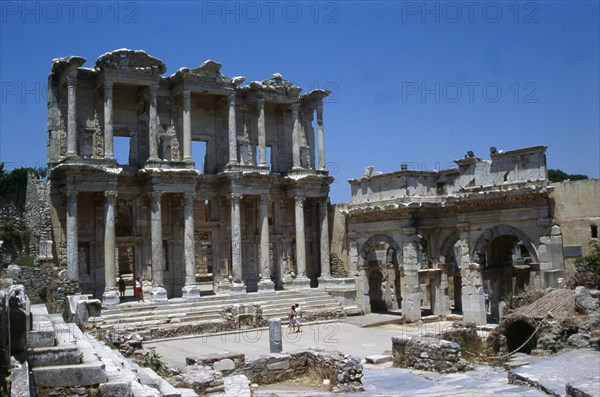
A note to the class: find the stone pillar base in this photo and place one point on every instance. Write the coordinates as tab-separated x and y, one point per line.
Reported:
159	295
411	307
224	286
266	286
237	288
191	292
301	283
110	297
324	281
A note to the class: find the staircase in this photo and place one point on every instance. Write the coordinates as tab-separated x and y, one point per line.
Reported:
62	357
179	317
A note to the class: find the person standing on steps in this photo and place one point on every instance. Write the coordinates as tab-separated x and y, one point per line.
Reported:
298	317
139	292
121	287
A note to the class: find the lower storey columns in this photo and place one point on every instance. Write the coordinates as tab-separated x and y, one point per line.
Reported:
324	242
158	294
191	290
265	283
110	295
238	285
72	238
301	280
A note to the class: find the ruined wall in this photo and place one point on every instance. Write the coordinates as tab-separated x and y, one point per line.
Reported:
428	354
36	215
575	207
339	242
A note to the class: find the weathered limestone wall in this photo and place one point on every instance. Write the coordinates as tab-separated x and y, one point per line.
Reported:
428	354
576	210
339	242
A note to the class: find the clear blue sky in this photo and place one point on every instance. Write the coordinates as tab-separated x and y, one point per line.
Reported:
414	82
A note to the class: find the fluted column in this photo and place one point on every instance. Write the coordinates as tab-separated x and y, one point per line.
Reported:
187	125
152	123
295	137
324	242
108	119
110	295
321	137
262	133
236	245
72	116
232	132
191	289
159	294
72	239
265	284
301	280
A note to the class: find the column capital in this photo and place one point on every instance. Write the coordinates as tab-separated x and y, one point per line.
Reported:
408	231
108	83
186	93
231	98
463	227
156	195
260	101
71	79
236	196
295	106
299	200
110	195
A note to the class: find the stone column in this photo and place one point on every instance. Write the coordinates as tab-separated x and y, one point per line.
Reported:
110	295
265	283
262	133
321	137
411	289
187	125
72	116
233	160
238	285
152	123
473	303
295	137
301	280
108	119
159	294
324	243
353	255
72	240
191	290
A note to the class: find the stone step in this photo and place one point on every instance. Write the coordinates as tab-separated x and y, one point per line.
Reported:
221	299
214	309
56	355
85	374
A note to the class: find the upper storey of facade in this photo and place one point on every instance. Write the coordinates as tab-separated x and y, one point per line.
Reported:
124	99
510	172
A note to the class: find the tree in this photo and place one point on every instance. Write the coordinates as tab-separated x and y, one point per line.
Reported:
560	176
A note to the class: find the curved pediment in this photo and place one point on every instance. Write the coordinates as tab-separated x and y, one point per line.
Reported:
133	60
209	71
60	64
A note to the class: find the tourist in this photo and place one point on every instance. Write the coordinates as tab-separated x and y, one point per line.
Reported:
139	292
292	318
486	297
121	287
298	317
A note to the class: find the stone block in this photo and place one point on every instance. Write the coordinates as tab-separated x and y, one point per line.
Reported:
224	365
149	378
69	375
114	389
187	392
278	366
42	338
378	359
167	390
20	379
73	301
56	355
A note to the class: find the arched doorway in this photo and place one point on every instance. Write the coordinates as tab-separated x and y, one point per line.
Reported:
506	255
381	272
452	270
376	290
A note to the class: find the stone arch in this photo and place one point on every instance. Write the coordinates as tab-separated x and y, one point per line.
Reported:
503	230
447	246
452	272
376	239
